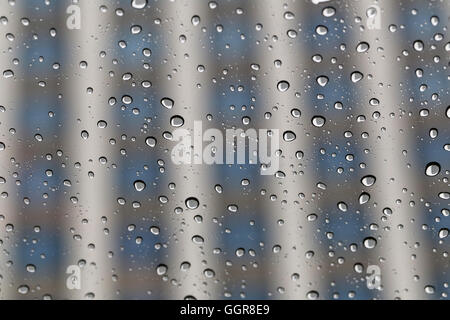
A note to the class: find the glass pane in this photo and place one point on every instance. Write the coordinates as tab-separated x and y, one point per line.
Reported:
253	149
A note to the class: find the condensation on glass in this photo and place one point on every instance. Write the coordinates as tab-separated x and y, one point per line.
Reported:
98	201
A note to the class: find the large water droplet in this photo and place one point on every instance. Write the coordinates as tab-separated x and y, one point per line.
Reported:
176	121
161	269
289	136
139	4
167	103
23	289
362	47
139	185
368	181
432	169
192	203
364	198
8	74
283	86
312	295
418	45
322	81
356	76
318	121
150	141
342	206
198	239
443	233
370	242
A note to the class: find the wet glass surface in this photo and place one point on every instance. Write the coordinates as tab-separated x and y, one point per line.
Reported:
224	149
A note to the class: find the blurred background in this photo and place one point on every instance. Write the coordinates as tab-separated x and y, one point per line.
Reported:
91	90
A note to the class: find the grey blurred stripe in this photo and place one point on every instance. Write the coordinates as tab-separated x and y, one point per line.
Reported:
83	111
193	104
296	236
11	91
396	245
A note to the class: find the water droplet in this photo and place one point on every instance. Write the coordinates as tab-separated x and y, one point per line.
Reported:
139	185
195	20
318	121
356	76
8	74
312	295
364	198
418	45
443	233
185	266
328	12
31	268
368	181
154	230
192	203
432	169
198	240
139	4
23	289
283	86
161	269
370	242
362	47
209	273
240	252
289	136
342	206
150	141
321	30
167	103
176	121
322	81
433	133
429	289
